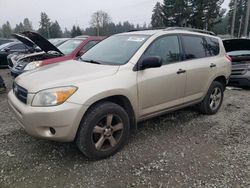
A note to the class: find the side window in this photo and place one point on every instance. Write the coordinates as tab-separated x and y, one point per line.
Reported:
194	47
167	48
213	46
89	45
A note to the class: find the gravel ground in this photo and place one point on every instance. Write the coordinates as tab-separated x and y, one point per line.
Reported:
181	149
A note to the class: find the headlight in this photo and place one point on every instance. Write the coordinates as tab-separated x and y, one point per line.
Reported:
53	97
33	65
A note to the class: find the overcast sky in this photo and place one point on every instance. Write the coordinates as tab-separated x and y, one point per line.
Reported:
70	12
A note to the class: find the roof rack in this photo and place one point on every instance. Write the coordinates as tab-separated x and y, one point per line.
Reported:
190	29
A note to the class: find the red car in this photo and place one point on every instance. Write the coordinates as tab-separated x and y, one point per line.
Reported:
70	49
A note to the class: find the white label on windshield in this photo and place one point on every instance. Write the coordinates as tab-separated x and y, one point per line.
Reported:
136	39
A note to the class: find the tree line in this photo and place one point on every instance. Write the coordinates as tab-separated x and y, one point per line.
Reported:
201	14
100	24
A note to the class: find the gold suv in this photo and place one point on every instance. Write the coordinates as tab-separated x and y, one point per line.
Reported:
97	100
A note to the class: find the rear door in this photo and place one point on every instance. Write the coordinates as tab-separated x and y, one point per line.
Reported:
163	87
200	62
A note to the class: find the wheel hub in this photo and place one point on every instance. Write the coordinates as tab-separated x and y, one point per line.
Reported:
107	132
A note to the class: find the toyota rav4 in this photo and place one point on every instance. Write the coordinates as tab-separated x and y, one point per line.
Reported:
129	77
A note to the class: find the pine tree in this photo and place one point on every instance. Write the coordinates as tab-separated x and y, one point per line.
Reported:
157	17
240	16
6	30
45	24
19	28
175	12
76	31
27	25
55	30
205	14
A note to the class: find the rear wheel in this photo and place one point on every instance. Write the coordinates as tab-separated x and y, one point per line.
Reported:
103	131
213	100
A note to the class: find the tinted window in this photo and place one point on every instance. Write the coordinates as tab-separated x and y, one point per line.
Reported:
195	47
167	48
213	46
89	45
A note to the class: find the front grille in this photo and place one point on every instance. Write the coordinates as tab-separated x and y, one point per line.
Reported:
20	93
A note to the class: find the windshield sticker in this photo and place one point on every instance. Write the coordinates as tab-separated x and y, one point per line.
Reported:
136	39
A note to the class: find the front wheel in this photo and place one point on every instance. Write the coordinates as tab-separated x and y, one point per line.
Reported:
103	131
213	100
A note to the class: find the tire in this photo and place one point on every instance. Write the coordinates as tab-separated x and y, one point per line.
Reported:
103	131
206	106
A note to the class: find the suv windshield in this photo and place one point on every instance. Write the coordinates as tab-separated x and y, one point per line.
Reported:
115	50
69	46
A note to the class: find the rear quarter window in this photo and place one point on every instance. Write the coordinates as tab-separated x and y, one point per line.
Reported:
195	47
213	46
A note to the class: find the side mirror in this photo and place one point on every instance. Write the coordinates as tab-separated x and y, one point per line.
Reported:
150	62
6	49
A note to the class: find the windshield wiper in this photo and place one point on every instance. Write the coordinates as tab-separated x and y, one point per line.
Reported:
90	61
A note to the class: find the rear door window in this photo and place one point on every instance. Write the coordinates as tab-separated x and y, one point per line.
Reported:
194	47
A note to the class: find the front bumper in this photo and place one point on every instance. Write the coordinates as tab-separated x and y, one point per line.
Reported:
240	80
38	121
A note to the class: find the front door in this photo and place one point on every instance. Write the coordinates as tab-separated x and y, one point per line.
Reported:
163	87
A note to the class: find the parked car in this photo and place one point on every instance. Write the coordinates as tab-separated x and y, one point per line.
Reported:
124	79
10	48
58	41
239	51
3	41
70	49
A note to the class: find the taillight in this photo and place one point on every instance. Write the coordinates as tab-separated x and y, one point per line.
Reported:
229	58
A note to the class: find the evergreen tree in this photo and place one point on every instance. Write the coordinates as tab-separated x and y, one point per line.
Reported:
27	25
66	33
55	30
157	18
76	31
45	24
6	30
240	16
205	14
19	28
175	12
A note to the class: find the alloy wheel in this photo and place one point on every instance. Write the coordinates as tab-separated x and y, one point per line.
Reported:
108	132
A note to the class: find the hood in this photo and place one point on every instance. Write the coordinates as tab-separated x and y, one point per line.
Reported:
236	44
41	42
63	74
24	40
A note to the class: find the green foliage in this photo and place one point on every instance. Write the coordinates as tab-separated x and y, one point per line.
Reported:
240	16
27	25
202	14
45	24
222	28
6	30
55	30
76	31
157	17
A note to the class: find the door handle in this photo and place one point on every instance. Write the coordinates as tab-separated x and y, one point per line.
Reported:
181	71
212	65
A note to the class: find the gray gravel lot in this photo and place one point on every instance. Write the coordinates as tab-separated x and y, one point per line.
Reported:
181	149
